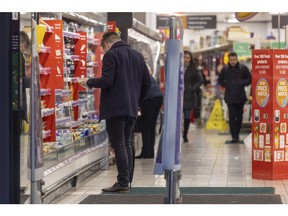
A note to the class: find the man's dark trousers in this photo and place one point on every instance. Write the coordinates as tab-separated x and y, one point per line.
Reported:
235	119
119	131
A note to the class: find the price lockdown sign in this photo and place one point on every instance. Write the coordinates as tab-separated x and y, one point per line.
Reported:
262	92
282	92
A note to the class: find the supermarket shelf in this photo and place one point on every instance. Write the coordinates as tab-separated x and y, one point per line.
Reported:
80	101
67	51
44	92
221	47
78	123
47	112
75	57
93	64
246	40
72	57
62	121
74	103
93	41
92	112
71	79
62	92
71	35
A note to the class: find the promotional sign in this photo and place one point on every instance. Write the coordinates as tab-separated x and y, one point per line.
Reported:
80	61
242	49
111	26
269	114
80	56
51	57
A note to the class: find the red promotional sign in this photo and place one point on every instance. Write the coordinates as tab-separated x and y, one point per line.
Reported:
81	56
111	26
54	60
51	59
270	114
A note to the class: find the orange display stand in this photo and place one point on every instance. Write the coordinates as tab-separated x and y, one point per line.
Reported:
269	114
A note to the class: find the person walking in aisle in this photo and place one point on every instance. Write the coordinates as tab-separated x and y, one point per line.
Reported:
124	84
149	112
234	77
192	81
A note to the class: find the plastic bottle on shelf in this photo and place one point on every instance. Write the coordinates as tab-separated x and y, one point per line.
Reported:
72	46
72	69
84	113
102	124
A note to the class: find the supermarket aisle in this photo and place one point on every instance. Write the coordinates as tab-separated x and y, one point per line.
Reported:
206	162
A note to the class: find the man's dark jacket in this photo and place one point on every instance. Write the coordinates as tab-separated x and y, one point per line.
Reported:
124	83
234	79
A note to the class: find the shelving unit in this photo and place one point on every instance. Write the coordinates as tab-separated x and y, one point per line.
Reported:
217	48
73	140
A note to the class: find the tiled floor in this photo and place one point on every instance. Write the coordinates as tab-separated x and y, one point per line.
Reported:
206	162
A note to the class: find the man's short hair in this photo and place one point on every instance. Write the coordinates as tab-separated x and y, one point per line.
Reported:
109	37
232	54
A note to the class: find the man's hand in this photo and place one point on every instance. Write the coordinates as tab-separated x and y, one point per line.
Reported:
83	82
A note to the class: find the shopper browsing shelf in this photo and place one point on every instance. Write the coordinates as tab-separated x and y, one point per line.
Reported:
234	77
149	112
124	83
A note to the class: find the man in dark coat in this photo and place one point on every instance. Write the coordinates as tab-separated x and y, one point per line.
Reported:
234	77
124	83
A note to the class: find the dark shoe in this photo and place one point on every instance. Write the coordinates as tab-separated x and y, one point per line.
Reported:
116	188
185	139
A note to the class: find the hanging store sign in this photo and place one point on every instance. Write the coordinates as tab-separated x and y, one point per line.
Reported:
283	21
201	22
243	16
162	21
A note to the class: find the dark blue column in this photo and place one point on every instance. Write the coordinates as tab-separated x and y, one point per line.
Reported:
9	110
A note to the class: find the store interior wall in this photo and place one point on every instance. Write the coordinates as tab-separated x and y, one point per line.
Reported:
260	29
262	26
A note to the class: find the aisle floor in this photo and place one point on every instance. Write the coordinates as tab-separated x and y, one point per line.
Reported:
206	162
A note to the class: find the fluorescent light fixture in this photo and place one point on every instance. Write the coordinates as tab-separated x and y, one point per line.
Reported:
232	20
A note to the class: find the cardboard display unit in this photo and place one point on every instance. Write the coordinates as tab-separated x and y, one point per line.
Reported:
269	114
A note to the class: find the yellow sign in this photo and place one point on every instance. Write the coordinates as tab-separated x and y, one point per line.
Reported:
262	92
282	92
243	16
216	120
40	32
